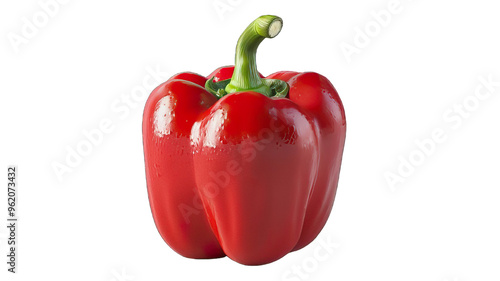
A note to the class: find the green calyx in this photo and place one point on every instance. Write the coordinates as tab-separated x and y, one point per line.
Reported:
245	76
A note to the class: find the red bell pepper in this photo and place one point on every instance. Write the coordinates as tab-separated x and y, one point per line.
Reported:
242	165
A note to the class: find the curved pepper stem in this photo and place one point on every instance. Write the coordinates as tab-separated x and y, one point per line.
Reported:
246	76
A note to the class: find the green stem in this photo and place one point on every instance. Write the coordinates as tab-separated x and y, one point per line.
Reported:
245	76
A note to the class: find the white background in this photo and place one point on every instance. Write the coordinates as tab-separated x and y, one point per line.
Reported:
440	221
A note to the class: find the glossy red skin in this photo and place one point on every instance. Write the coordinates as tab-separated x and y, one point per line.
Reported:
265	169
